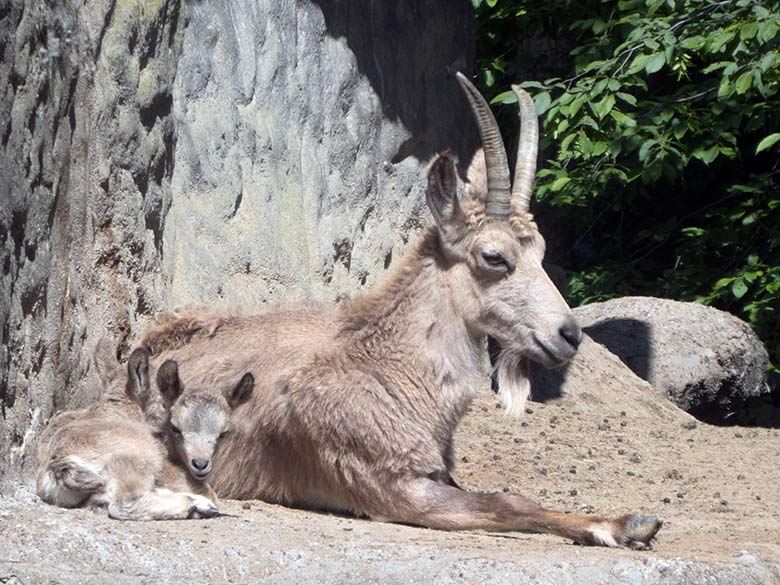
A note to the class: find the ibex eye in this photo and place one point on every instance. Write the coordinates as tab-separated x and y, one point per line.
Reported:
176	429
496	260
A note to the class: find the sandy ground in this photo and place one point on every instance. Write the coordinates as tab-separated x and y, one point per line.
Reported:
717	489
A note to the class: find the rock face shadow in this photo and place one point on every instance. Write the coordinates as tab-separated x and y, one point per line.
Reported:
400	60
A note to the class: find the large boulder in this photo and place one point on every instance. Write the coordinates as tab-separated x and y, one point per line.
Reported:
706	361
154	154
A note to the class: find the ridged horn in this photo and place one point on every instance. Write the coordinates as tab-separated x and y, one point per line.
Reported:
498	198
527	150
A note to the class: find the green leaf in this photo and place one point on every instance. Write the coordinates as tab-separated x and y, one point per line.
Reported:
559	183
744	82
693	232
706	155
576	105
487	75
621	118
739	288
542	102
645	149
723	282
586	146
627	97
767	30
567	141
532	85
599	87
655	62
748	31
603	107
638	64
725	89
717	42
768	142
758	81
696	42
505	97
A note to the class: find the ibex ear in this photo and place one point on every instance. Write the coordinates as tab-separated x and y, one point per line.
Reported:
442	190
477	177
138	374
168	381
104	359
242	391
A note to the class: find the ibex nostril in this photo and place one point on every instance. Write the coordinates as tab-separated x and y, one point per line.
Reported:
571	332
200	464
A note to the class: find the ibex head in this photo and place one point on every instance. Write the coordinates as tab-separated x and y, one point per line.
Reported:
495	250
198	418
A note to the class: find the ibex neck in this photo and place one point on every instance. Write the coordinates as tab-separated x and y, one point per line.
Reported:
415	312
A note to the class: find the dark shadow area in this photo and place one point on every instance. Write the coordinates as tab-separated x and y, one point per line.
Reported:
408	50
761	411
628	339
547	384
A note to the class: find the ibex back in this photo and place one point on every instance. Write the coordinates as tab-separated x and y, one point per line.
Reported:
356	407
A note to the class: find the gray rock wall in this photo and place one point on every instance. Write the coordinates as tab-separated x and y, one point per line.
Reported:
154	154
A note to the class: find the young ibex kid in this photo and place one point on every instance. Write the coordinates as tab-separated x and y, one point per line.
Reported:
112	455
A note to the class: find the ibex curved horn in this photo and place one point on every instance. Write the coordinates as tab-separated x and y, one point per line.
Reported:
527	149
498	198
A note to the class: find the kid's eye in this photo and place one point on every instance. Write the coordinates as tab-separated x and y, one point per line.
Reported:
176	429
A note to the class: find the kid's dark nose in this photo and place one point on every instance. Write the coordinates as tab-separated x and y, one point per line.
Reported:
200	464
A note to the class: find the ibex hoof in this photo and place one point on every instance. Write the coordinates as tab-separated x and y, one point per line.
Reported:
639	531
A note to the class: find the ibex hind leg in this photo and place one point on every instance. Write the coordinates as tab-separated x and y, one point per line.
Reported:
69	482
162	504
435	505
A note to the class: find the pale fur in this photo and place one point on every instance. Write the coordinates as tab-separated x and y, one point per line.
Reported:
118	454
356	406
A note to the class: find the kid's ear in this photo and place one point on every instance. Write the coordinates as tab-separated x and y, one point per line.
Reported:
441	194
168	381
242	391
138	374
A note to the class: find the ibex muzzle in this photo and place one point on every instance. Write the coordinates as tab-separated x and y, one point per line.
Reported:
198	418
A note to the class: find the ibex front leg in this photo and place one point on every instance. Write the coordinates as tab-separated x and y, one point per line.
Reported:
435	505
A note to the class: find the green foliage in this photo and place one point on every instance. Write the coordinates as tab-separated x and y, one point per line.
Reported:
661	132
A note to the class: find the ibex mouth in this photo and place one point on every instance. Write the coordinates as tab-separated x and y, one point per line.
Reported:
553	356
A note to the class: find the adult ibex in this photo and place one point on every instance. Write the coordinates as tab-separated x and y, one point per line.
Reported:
356	406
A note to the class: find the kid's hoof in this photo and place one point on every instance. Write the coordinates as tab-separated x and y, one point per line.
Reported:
203	508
